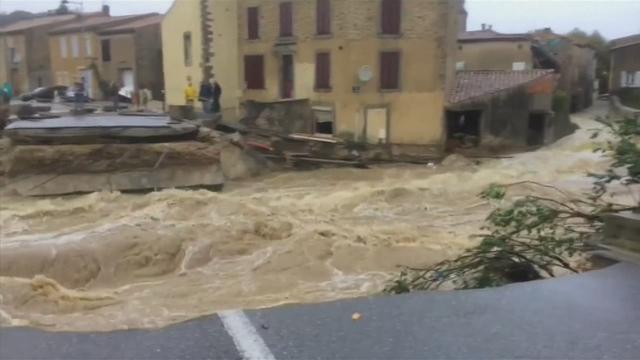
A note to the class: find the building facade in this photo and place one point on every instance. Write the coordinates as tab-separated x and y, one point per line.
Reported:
489	50
625	69
24	61
76	51
131	54
381	68
200	40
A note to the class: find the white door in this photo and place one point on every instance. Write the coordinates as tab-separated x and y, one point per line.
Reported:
376	128
87	78
127	83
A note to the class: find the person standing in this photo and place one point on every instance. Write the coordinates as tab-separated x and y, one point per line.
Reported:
144	95
78	96
216	94
190	96
206	96
115	95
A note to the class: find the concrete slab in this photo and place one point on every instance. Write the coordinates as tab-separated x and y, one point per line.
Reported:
201	339
589	316
594	315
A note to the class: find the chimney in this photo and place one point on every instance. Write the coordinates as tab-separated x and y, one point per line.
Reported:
490	27
484	26
105	9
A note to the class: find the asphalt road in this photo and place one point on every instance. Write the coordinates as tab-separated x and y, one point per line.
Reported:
589	316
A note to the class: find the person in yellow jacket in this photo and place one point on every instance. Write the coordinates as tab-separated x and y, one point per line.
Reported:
190	93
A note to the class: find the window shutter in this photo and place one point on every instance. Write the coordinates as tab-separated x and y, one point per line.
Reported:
254	71
323	14
389	70
323	71
253	23
391	16
286	19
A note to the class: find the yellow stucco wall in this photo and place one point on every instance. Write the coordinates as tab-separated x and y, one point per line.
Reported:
184	16
10	71
67	70
494	55
122	56
415	110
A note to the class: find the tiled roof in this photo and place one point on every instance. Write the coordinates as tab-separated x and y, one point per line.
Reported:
94	22
132	25
625	41
490	35
471	85
35	22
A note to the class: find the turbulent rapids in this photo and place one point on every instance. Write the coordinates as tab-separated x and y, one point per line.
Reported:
109	260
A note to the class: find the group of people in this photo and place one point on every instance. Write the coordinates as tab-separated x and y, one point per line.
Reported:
209	95
141	99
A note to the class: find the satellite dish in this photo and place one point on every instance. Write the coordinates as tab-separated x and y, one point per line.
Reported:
365	74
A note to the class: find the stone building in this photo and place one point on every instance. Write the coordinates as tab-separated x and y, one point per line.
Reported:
375	71
131	53
76	50
487	49
625	70
24	56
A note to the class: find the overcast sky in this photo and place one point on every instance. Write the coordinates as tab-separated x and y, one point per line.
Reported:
613	18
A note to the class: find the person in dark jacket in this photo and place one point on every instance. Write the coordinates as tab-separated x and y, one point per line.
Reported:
216	94
205	96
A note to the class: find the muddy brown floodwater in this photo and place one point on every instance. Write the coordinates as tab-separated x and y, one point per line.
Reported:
108	261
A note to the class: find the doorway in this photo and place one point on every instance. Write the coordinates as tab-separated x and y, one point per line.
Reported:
286	81
377	123
127	82
536	131
16	81
463	128
87	82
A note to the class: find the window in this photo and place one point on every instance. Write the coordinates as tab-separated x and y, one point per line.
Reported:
460	66
63	47
323	71
389	70
637	83
391	16
286	19
188	59
87	46
14	55
324	119
323	17
519	66
254	72
630	79
105	45
75	46
253	23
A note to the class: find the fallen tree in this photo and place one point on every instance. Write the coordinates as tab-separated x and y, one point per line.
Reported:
535	235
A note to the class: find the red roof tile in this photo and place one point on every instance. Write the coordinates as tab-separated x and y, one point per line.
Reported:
625	41
471	85
95	22
131	26
490	35
35	22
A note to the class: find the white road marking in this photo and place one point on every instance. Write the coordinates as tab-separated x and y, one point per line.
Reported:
244	335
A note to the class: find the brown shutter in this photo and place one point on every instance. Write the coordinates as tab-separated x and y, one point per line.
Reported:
286	19
323	71
391	16
254	71
389	70
253	21
323	13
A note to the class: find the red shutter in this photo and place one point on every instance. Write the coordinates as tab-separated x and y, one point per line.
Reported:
323	71
323	13
252	21
254	71
391	16
286	19
389	70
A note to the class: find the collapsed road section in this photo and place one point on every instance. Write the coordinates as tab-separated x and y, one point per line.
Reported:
94	153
